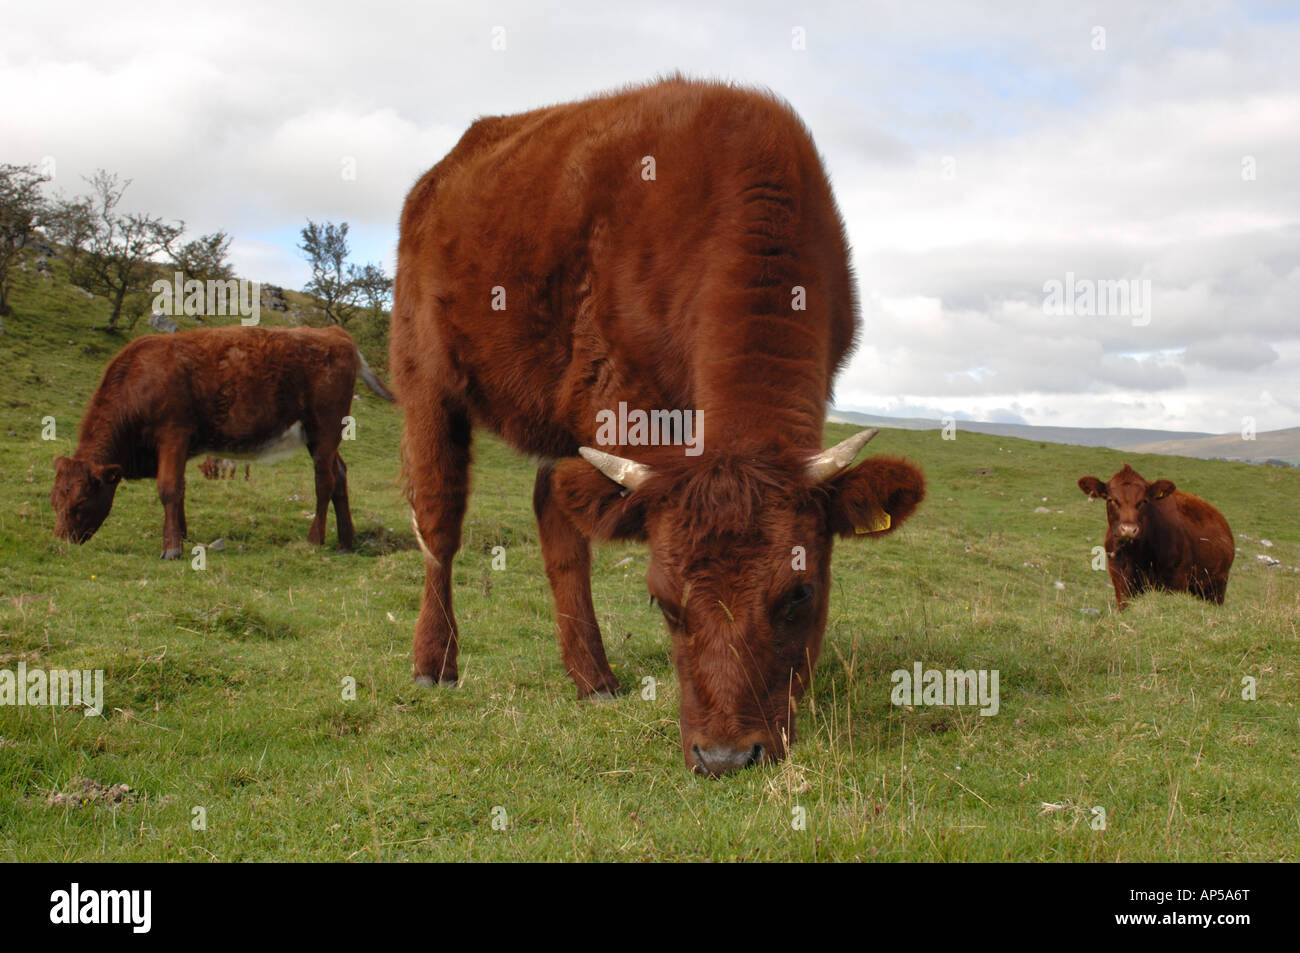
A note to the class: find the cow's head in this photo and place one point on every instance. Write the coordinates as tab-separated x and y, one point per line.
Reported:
740	548
1127	497
82	496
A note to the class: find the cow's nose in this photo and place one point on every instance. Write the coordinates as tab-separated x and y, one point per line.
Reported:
717	760
1128	530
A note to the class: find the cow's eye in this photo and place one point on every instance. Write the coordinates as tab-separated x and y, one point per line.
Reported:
800	596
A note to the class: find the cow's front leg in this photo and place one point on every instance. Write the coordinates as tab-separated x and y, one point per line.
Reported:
1127	585
567	554
171	491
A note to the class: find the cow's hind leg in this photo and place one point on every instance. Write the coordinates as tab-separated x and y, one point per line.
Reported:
323	461
567	554
436	450
342	511
1220	589
323	430
1211	589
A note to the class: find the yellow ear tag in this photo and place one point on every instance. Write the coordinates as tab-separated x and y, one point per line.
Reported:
878	525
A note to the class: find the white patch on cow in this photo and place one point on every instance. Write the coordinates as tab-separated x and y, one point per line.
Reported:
277	448
428	556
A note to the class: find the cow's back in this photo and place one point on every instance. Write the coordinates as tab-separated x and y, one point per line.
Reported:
564	259
231	387
252	382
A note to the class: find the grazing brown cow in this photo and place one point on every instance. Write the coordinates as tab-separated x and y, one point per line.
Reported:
1159	537
673	248
247	392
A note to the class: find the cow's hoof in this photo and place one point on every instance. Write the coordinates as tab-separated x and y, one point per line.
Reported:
170	554
601	696
428	681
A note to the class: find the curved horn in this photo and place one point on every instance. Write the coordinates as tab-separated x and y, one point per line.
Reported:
621	470
827	464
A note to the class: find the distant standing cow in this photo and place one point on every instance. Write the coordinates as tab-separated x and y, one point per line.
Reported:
240	392
1159	537
214	468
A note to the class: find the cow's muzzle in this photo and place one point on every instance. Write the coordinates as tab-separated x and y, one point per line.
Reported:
1127	530
717	760
73	536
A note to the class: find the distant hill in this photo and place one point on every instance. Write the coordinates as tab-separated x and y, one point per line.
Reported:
1271	446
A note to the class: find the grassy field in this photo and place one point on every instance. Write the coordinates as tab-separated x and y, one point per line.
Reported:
224	688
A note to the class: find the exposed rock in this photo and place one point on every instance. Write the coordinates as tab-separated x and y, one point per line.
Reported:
273	298
160	322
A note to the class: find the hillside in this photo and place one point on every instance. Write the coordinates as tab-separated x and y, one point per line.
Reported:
1270	446
223	686
1277	445
41	288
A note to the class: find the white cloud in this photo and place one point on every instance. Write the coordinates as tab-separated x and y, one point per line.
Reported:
1125	162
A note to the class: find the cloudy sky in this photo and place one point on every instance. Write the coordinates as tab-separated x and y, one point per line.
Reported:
979	153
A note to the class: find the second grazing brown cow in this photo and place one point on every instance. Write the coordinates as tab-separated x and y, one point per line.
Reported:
1159	537
669	249
248	392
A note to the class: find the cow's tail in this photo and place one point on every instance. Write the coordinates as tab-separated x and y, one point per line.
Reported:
373	382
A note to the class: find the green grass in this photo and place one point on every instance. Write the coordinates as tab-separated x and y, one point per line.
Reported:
224	687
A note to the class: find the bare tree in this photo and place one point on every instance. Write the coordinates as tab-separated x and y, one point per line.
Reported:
71	222
114	259
22	207
325	246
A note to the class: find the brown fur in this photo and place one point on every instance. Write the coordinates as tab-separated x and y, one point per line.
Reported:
167	398
1158	537
674	293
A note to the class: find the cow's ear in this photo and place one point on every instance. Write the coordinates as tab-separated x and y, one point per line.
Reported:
1160	489
61	464
109	474
597	506
875	497
1093	487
